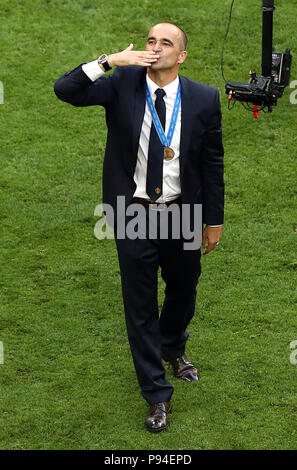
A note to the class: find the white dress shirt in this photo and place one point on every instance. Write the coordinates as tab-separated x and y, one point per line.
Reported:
171	180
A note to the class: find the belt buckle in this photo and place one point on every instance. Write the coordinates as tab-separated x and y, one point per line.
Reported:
159	207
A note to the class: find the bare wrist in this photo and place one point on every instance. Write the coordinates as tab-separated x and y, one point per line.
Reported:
112	60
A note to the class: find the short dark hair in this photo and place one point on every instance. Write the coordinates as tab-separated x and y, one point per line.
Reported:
183	35
184	38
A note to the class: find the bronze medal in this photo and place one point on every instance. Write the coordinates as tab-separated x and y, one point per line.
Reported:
168	153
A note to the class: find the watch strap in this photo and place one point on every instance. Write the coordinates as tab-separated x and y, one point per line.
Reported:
103	61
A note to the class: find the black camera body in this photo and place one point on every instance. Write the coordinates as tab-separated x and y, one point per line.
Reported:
264	91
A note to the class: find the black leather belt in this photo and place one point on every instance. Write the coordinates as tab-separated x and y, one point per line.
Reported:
154	205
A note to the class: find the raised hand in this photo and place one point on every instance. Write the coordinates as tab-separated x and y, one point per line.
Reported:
130	57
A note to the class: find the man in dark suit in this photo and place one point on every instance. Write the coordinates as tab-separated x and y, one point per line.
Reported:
145	100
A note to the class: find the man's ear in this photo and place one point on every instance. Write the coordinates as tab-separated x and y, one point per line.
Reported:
182	57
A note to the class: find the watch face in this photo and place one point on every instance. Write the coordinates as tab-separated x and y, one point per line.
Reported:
102	58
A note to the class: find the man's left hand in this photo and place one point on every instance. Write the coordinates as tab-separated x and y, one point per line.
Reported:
210	238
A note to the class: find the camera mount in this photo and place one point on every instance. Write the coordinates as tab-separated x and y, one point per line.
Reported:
263	91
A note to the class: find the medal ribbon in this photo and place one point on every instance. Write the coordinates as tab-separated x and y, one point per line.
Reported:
166	141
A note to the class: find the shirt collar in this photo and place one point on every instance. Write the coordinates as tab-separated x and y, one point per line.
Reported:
170	89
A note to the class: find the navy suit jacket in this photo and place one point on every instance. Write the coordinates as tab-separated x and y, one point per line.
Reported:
123	96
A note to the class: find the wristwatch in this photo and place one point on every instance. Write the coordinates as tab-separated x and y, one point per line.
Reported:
103	61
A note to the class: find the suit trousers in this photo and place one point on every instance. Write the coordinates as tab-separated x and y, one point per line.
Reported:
153	336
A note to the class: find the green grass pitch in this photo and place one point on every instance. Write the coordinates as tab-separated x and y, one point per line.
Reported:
67	380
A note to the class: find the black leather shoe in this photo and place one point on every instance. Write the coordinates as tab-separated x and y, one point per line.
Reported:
157	417
183	369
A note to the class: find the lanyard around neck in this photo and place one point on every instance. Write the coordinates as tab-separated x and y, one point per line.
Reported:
165	140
